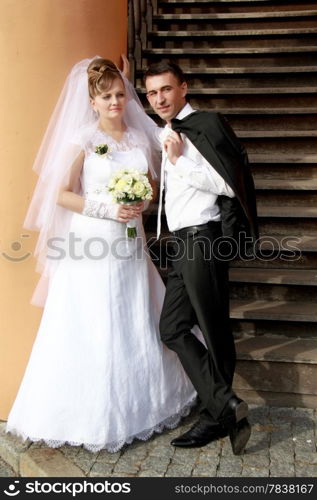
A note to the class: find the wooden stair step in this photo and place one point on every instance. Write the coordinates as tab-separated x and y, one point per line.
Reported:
301	277
169	2
203	51
246	90
224	70
303	212
265	111
302	243
273	134
270	276
268	241
278	211
258	158
278	329
236	15
277	371
225	4
233	33
273	310
286	184
216	2
262	348
291	245
255	111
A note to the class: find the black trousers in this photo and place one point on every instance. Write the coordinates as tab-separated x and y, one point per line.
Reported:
197	293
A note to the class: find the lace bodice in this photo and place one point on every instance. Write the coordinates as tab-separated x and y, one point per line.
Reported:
129	141
98	169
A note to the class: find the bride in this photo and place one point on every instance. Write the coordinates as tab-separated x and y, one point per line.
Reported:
98	374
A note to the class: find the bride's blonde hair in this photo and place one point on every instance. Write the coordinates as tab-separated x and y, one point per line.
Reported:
101	74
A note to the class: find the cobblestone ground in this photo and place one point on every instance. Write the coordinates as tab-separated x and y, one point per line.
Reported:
5	470
283	443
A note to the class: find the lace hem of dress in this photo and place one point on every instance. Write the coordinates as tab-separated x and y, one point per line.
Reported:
169	423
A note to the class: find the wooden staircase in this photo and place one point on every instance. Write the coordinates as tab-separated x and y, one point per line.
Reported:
256	62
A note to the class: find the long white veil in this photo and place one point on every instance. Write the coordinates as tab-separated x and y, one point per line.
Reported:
56	155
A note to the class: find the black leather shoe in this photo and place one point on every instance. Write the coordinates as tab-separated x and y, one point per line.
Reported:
239	436
199	435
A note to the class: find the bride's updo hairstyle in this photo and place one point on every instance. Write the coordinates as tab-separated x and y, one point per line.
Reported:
101	74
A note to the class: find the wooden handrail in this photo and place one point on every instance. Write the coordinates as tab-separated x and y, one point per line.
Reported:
154	6
149	14
140	14
143	23
131	39
137	33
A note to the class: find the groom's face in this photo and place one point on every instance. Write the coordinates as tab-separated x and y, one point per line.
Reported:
166	95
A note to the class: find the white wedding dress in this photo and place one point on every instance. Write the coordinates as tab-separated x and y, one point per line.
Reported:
99	375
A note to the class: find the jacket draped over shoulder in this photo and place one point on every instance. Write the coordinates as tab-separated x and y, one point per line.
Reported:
213	137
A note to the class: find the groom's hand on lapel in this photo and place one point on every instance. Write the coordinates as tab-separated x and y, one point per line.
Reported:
173	145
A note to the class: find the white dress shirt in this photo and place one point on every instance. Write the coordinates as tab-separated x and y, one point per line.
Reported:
192	185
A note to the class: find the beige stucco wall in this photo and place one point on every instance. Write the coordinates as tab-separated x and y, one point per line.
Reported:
40	42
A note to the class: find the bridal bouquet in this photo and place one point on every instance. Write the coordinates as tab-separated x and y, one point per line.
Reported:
128	187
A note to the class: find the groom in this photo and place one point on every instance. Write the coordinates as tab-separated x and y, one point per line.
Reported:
209	193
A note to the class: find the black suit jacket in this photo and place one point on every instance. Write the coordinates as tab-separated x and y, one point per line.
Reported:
215	140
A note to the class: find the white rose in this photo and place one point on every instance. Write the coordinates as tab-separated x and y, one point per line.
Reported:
139	189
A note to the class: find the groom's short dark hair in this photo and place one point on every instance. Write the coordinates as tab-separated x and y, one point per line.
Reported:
165	67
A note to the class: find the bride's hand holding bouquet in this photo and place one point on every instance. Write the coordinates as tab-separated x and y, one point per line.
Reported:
130	188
